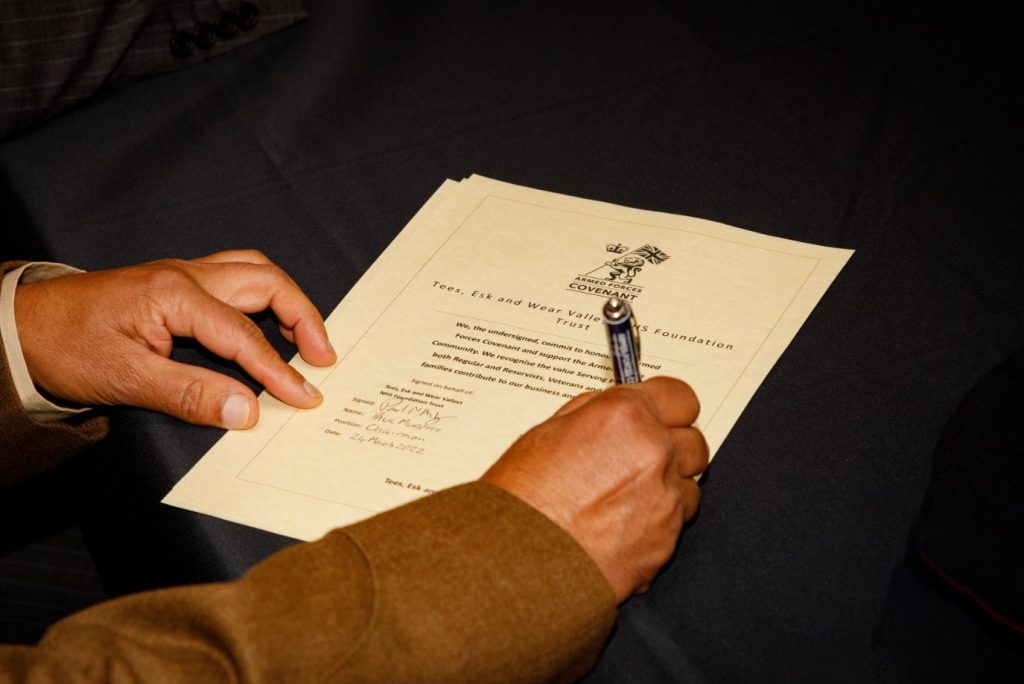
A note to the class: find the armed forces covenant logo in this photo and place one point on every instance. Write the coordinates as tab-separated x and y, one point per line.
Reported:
616	276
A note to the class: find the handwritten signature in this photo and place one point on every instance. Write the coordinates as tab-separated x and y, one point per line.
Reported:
398	411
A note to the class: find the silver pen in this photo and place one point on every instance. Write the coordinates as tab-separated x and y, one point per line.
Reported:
623	340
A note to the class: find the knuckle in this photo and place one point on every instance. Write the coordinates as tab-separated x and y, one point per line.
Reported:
629	417
672	503
624	407
190	401
254	255
655	457
653	453
254	342
250	332
281	281
278	276
177	266
166	275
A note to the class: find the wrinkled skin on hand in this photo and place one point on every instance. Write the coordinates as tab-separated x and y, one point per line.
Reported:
105	337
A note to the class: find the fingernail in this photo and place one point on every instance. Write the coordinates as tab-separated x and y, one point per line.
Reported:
234	414
331	347
310	390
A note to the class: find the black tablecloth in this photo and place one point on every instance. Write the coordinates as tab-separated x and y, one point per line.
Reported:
892	128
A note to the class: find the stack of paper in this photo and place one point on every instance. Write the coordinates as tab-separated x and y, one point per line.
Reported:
479	321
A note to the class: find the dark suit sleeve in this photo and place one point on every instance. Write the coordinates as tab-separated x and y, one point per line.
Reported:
467	585
28	446
55	55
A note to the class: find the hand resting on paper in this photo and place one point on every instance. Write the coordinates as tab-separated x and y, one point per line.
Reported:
616	470
105	337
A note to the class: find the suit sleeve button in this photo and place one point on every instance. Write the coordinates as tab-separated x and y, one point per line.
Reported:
247	15
204	35
181	44
225	25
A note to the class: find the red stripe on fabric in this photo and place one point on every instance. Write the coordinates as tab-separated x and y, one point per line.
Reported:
971	593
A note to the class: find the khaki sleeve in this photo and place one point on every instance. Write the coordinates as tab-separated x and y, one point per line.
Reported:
467	585
29	446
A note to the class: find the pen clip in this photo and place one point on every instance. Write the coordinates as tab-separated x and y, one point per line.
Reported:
634	332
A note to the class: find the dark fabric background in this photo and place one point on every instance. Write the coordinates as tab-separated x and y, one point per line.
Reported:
892	128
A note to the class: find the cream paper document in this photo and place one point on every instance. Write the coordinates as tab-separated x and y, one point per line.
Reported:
483	317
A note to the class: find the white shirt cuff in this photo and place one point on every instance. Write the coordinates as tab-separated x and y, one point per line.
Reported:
37	406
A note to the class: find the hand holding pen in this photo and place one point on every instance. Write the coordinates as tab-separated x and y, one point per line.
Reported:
615	469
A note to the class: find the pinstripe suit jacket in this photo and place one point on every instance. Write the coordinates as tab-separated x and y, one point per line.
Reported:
56	54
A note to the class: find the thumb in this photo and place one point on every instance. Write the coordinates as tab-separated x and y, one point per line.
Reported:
195	395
